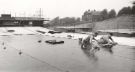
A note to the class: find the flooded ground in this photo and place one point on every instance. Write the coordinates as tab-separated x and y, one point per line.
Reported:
30	53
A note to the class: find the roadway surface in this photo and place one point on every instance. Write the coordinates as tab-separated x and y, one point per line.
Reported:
25	50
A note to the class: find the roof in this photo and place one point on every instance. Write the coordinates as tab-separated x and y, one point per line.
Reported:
92	12
7	18
22	18
28	18
96	13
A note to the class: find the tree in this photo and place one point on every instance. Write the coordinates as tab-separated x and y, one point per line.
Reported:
125	11
55	21
85	16
133	8
104	14
78	19
64	21
112	14
68	20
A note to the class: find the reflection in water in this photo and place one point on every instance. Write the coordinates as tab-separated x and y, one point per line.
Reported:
91	55
108	50
4	48
80	41
132	71
39	41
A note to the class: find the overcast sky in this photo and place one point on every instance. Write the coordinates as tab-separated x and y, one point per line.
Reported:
61	8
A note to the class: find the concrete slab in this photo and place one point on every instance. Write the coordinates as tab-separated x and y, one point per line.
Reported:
68	57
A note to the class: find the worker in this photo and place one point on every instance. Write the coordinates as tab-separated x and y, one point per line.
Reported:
88	40
106	39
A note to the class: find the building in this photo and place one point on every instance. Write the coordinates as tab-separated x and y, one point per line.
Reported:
7	20
92	16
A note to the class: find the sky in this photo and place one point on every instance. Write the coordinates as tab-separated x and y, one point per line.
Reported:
62	8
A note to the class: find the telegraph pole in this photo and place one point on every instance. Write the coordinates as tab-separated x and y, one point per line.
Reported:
40	13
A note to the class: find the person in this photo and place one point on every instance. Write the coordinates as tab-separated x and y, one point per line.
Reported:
88	40
106	39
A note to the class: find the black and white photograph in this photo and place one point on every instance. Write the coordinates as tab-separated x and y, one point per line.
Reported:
67	35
